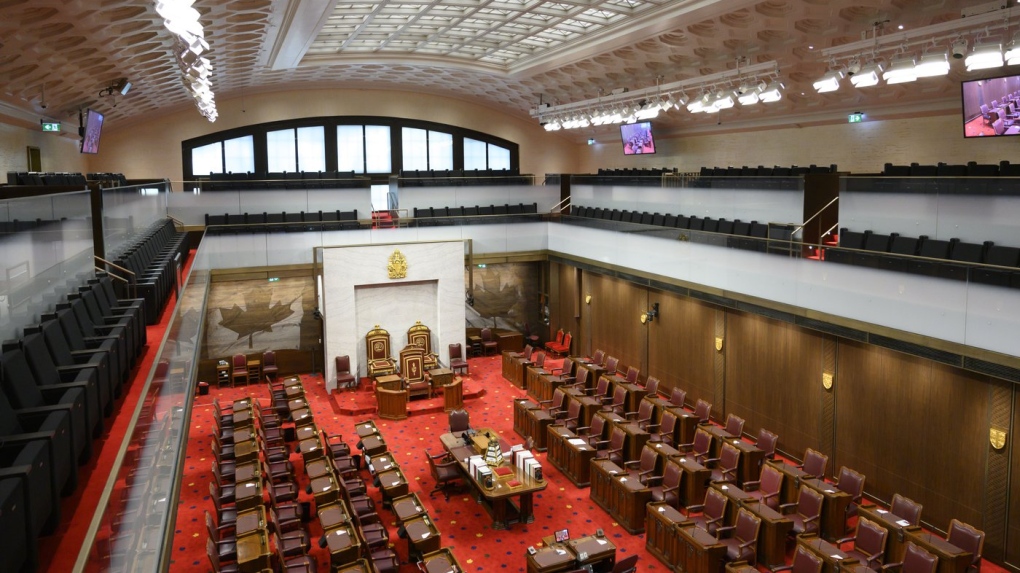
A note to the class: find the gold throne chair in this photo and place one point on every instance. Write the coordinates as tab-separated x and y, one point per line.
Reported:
419	335
412	370
377	349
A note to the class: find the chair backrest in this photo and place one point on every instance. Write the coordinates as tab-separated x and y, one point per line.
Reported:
611	363
599	357
668	423
771	480
616	440
486	334
628	565
918	560
420	335
619	396
815	462
574	410
377	343
703	410
649	455
582	378
671	475
652	385
702	442
906	508
540	359
412	363
598	425
526	353
455	351
734	425
677	397
559	336
871	538
645	411
566	342
632	374
809	502
557	400
715	504
343	364
851	482
239	362
602	388
804	561
729	457
966	537
459	420
767	443
268	358
748	525
210	525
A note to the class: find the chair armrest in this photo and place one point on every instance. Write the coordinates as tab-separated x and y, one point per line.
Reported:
646	472
648	427
750	484
785	507
812	518
600	443
683	448
695	508
708	461
630	415
719	531
748	543
631	463
646	479
889	566
581	430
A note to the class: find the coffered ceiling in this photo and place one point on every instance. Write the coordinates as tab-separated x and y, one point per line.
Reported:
56	56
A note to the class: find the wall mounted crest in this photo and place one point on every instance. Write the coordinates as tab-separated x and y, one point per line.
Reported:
398	265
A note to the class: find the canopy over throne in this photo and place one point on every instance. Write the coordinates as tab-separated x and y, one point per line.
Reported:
419	335
377	348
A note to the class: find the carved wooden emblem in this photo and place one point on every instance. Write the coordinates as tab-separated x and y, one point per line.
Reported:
398	265
718	343
997	438
827	381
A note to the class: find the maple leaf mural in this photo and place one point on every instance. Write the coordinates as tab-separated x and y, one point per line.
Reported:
258	314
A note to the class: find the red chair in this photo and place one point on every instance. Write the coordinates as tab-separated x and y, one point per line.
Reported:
703	410
239	369
711	511
815	463
766	489
344	378
851	482
743	546
969	539
457	360
559	340
803	562
767	443
869	543
561	348
269	364
807	518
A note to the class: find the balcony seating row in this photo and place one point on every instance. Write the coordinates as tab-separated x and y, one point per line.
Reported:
462	178
282	222
636	172
37	178
971	169
282	180
743	235
435	216
152	257
762	171
108	179
892	252
58	382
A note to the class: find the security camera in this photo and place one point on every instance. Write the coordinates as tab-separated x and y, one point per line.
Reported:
853	67
959	49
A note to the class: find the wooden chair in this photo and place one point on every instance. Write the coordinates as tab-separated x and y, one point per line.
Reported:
421	336
269	368
412	370
238	369
488	342
457	360
344	378
377	350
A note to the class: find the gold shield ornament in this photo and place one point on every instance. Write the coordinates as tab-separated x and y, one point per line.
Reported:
827	381
398	265
718	343
997	438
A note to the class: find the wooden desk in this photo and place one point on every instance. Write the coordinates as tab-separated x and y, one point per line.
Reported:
243	418
736	497
832	557
442	561
631	496
333	515
343	545
509	340
596	552
422	536
441	377
719	435
366	428
952	559
634	440
389	382
247	472
358	566
834	504
407	507
373	445
773	533
749	464
662	535
324	490
247	451
694	481
522	424
570	454
595	371
380	463
253	552
250	521
603	472
551	559
896	526
223	374
248	495
686	425
254	370
392	484
791	480
499	500
475	345
700	552
635	394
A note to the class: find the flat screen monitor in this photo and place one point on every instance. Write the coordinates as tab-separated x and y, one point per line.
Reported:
991	106
93	129
562	535
637	138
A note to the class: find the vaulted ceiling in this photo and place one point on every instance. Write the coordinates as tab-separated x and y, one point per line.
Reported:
56	56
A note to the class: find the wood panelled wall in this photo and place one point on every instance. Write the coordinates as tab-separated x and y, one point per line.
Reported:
910	425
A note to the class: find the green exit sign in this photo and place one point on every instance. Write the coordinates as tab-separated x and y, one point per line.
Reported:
855	117
51	126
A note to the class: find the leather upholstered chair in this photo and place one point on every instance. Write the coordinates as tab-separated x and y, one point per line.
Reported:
766	489
677	397
666	428
906	508
710	514
488	342
614	452
269	368
668	488
459	421
742	545
612	363
421	336
767	443
652	386
916	560
700	447
851	482
412	370
377	351
969	539
869	543
726	470
238	369
808	515
804	561
344	378
815	463
444	470
734	425
457	360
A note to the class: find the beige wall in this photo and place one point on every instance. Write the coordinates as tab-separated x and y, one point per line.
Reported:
153	148
58	153
858	148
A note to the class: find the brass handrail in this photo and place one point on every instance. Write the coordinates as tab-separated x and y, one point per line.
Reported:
812	217
132	282
559	206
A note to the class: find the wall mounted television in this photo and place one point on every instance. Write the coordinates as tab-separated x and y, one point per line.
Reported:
991	106
637	138
93	129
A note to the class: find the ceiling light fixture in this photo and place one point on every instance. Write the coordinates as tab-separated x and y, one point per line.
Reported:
1013	52
987	53
900	70
931	65
867	76
829	82
182	20
773	92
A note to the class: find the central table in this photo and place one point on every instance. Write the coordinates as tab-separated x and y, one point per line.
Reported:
499	499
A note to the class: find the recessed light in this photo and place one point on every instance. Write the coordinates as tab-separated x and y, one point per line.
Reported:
810	47
900	27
